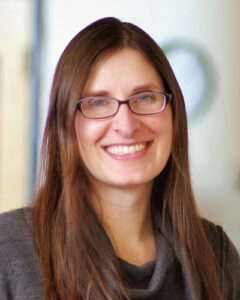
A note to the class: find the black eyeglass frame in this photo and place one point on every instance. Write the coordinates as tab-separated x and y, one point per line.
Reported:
167	98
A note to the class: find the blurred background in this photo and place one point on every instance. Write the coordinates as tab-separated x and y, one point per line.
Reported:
201	39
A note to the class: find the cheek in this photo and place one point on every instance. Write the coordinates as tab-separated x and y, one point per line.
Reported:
163	129
162	125
88	132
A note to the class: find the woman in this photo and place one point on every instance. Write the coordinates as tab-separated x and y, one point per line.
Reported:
114	215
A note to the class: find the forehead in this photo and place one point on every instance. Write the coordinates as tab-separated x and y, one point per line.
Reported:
123	70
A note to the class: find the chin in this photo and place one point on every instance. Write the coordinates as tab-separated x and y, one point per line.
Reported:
129	182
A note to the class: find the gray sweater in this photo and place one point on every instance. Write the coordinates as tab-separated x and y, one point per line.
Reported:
20	276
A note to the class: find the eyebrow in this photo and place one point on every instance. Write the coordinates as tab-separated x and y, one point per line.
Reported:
135	90
146	87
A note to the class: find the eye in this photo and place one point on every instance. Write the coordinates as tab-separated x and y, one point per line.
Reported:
98	102
143	98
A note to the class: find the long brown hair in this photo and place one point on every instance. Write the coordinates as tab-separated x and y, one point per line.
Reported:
75	254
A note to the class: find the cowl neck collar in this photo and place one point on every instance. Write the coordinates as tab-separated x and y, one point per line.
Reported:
167	261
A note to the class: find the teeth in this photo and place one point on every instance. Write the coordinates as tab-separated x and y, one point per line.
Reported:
121	150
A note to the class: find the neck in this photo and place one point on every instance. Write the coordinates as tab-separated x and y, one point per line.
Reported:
126	217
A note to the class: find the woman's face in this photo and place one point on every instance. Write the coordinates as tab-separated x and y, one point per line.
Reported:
122	74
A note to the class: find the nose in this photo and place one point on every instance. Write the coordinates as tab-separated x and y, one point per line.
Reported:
125	122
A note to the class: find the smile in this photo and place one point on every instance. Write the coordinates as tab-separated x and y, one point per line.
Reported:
123	150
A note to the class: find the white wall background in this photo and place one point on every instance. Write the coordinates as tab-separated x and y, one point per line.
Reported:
214	138
15	41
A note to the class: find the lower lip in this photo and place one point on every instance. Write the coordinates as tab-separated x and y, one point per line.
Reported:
130	156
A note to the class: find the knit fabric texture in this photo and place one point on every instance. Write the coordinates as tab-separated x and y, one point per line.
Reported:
165	278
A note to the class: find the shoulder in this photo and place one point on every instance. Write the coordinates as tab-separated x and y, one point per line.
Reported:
20	274
16	230
215	235
227	258
11	222
219	240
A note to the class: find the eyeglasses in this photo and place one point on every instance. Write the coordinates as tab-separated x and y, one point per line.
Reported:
148	103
